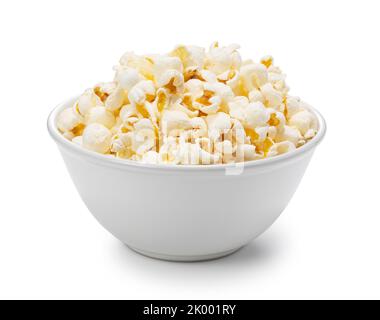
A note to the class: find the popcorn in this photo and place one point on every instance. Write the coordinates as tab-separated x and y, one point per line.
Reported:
115	99
87	101
256	115
141	92
207	76
220	90
151	157
246	152
121	143
97	137
199	127
178	105
290	134
218	124
191	56
162	100
221	59
194	88
237	107
292	106
127	111
190	153
267	61
162	64
253	76
272	97
144	138
280	148
69	120
127	77
225	148
100	115
174	122
172	80
141	64
190	107
256	95
305	122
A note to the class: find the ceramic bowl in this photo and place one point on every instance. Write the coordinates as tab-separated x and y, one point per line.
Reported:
184	212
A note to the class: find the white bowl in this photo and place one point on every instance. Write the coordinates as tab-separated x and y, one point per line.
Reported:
184	212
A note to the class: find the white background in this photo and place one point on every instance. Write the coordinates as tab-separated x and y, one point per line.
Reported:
327	242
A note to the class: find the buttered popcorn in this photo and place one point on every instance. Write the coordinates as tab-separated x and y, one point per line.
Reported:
190	106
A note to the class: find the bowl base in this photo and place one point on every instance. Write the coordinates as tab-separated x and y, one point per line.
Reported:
184	258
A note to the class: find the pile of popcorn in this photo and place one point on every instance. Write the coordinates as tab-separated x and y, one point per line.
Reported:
190	106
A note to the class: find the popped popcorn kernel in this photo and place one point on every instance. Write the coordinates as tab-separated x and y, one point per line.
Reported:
69	121
267	61
97	137
191	106
100	115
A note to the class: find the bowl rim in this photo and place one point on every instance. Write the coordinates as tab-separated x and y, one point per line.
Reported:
107	160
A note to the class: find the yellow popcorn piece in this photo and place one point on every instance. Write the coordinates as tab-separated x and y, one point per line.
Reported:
172	80
265	146
267	61
162	100
276	119
252	134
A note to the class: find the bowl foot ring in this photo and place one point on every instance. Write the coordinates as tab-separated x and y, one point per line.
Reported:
184	258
